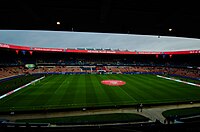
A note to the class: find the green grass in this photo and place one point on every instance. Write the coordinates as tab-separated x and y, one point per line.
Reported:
86	119
185	112
14	83
78	91
185	79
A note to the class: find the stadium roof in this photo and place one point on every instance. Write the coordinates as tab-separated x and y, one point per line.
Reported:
85	20
164	18
55	39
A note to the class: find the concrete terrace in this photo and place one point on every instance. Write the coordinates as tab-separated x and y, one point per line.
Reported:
153	113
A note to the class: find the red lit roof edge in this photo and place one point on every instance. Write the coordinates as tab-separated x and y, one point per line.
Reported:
16	47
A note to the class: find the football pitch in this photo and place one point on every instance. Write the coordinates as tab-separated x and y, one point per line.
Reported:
79	91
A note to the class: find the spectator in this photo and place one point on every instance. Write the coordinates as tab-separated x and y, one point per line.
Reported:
138	106
141	107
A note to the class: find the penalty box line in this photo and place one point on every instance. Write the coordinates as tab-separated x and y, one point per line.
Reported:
177	80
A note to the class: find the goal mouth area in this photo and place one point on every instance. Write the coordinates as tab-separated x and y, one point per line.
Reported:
113	82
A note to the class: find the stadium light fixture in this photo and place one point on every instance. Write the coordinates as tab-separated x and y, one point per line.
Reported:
58	23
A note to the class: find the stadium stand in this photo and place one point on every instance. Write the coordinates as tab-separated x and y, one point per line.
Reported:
13	63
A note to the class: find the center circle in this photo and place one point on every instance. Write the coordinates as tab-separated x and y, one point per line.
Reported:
113	82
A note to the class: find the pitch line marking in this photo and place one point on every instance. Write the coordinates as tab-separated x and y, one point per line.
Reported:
128	95
177	80
15	90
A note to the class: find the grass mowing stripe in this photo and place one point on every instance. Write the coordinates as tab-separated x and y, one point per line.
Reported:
159	88
123	89
100	78
80	95
63	92
163	87
45	92
57	94
23	97
152	86
174	90
91	95
71	91
136	87
101	95
186	90
110	91
149	92
23	92
69	94
120	96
